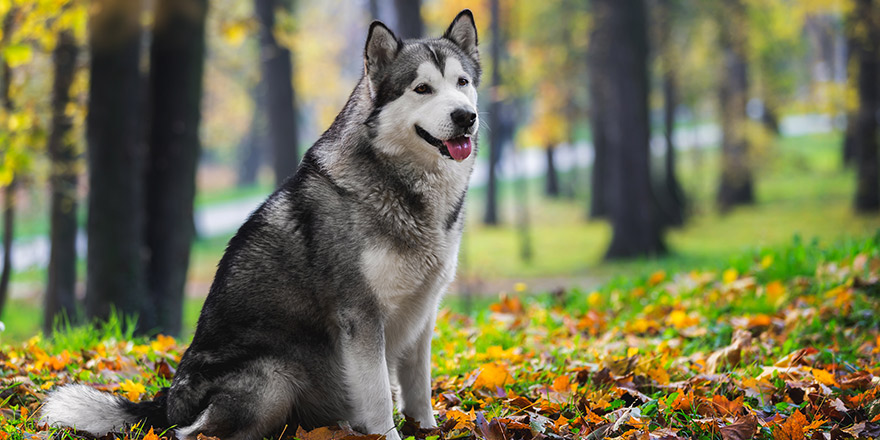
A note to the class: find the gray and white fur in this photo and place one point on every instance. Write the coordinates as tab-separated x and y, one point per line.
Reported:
324	301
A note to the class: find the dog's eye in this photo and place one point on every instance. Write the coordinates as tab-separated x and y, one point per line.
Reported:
422	89
463	81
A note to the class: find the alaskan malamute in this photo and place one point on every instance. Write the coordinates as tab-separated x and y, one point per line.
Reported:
323	305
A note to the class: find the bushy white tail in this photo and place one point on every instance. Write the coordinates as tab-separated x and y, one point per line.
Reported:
86	409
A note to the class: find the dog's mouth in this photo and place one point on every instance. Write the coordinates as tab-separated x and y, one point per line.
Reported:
457	148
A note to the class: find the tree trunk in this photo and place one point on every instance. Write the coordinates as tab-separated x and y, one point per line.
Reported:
624	107
9	190
552	187
409	18
597	53
673	193
177	63
491	214
251	150
736	173
868	188
8	233
853	49
277	69
60	298
115	154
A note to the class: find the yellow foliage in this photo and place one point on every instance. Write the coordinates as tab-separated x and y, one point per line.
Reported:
132	390
492	376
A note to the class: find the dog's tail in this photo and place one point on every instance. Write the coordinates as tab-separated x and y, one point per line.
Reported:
86	409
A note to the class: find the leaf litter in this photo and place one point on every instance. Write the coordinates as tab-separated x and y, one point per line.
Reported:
735	354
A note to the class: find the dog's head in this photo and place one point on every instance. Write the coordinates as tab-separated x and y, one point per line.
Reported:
424	92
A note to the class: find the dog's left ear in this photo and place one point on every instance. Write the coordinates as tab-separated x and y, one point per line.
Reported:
463	32
382	47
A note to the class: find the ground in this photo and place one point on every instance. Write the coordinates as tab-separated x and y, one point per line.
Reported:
778	344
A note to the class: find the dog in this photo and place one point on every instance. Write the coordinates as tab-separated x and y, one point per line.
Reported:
323	305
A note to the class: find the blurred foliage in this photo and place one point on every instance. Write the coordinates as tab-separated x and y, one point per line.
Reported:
29	35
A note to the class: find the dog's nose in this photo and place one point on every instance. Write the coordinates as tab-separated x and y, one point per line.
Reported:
463	118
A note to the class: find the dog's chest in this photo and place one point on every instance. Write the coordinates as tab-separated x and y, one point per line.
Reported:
406	278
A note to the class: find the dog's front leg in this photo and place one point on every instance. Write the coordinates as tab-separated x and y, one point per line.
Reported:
414	375
366	373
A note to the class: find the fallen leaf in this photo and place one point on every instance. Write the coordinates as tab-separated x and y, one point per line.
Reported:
732	354
743	428
792	428
151	435
492	376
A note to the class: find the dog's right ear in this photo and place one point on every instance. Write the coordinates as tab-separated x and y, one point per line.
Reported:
382	47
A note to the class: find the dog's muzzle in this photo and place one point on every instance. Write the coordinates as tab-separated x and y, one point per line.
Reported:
457	148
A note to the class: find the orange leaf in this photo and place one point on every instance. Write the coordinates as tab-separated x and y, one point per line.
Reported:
726	408
792	428
562	384
492	376
151	435
657	278
684	402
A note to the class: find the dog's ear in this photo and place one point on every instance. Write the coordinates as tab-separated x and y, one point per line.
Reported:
382	47
463	32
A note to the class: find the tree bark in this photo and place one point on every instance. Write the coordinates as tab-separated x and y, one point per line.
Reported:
673	193
491	215
177	64
277	69
115	154
736	173
9	190
853	47
868	188
552	187
409	18
60	298
624	107
597	53
8	233
251	150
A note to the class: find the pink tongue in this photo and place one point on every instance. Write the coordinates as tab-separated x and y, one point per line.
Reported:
459	148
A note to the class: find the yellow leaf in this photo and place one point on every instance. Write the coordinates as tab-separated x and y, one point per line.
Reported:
234	33
463	421
132	390
492	376
520	287
679	319
729	275
594	299
660	375
766	261
824	377
162	343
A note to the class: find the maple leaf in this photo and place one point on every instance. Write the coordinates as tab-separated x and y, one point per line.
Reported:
792	429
